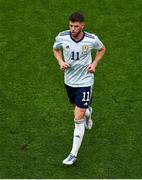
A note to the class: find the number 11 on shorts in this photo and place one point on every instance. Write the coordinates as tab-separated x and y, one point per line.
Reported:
86	96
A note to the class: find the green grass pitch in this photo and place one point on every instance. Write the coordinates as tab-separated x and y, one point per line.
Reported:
36	119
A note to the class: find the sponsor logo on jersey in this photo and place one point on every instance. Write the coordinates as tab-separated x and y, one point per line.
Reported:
67	47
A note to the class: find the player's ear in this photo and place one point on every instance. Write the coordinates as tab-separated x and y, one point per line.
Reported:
83	25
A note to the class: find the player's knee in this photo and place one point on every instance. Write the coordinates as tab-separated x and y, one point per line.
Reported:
79	113
79	116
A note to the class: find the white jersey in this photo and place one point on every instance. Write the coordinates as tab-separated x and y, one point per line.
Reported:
78	55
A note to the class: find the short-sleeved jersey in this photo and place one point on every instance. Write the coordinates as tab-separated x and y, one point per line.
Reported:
78	55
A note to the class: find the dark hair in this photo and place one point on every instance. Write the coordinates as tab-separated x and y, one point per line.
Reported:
76	16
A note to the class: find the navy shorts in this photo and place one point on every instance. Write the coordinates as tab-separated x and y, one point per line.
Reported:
80	96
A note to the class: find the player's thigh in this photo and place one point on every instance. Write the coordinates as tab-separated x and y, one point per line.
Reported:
71	94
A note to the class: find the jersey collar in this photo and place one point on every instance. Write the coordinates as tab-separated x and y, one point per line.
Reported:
78	40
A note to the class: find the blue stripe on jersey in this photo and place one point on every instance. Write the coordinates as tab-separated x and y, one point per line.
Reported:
64	33
89	36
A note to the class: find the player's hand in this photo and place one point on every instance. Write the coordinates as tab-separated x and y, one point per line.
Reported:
64	65
91	68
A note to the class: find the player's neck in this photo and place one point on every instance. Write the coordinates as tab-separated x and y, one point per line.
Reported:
79	36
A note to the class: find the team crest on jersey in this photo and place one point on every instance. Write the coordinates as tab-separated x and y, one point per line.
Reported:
85	49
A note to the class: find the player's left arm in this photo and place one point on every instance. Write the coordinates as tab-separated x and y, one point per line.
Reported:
99	55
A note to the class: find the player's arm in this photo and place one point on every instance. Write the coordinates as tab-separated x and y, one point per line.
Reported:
99	46
99	55
58	55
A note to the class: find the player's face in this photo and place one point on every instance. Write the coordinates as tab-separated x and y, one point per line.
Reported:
75	28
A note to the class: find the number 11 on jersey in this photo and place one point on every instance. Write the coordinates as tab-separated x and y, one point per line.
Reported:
75	55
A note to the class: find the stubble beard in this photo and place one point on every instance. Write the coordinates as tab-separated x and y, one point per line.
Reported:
76	35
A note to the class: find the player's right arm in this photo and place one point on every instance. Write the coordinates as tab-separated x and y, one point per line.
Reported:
58	56
58	53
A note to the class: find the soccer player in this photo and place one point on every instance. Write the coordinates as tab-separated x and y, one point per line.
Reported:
79	72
